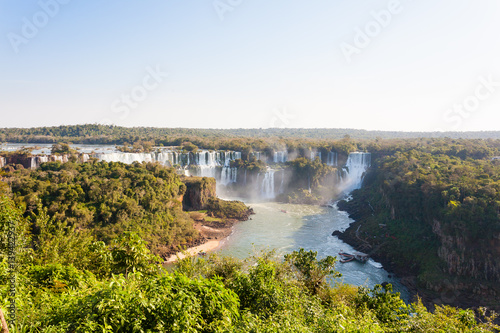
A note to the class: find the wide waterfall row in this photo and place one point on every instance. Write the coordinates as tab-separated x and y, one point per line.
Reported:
355	169
207	159
36	161
217	164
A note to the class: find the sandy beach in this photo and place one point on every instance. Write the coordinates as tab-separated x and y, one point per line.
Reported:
206	247
212	234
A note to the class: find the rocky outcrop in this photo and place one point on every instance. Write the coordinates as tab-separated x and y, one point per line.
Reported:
236	210
465	257
464	271
198	192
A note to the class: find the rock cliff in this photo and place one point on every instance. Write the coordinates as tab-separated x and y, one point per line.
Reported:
198	192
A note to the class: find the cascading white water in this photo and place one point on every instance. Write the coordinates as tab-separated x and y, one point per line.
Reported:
202	163
356	166
60	158
258	155
267	187
332	159
229	174
38	160
282	184
127	158
167	158
315	154
3	161
207	163
280	157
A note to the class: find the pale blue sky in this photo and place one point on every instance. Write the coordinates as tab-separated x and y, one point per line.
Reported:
266	64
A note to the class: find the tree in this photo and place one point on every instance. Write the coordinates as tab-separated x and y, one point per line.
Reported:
130	254
311	271
61	149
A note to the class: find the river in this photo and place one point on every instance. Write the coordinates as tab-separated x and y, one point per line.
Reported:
308	227
302	226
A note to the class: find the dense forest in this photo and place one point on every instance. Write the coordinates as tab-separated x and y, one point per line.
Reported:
121	288
434	213
90	236
231	139
106	199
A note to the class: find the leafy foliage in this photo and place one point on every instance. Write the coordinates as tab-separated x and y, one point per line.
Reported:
106	198
227	209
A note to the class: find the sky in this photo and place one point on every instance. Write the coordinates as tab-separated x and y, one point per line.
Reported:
401	65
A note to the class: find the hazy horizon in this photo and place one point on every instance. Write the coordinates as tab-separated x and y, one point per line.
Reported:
254	128
396	65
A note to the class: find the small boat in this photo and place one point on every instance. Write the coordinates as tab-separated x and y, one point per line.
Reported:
346	260
283	211
359	256
363	257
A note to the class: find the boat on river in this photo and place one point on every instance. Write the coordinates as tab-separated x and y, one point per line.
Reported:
359	256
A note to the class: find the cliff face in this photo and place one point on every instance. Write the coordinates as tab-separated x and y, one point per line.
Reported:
467	257
444	262
198	191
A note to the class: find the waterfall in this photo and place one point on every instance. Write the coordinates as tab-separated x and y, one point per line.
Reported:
258	156
280	157
332	159
167	158
207	163
282	184
315	154
127	158
267	187
40	160
60	158
3	161
356	166
36	161
202	163
228	175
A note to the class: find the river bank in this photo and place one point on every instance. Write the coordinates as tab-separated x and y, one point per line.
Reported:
408	280
212	232
356	236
